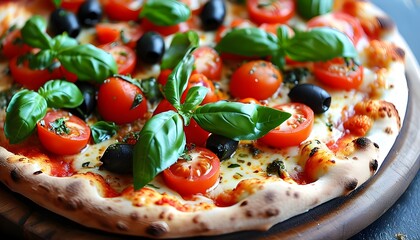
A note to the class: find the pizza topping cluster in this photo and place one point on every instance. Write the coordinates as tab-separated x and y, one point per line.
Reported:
161	99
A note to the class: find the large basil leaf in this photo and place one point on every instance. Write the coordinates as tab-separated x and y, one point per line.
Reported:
238	121
102	131
180	45
61	94
41	60
312	8
165	12
319	44
194	97
178	80
248	42
33	33
25	109
88	62
161	142
63	41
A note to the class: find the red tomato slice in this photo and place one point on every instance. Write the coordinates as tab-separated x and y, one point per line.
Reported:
30	78
124	56
123	10
340	21
197	175
12	45
165	30
119	101
279	11
338	73
208	62
65	138
122	32
294	130
193	132
71	5
256	79
198	79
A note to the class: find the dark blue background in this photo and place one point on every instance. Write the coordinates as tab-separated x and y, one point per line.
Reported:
404	216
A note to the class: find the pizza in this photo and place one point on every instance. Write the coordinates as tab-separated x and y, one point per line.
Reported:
166	118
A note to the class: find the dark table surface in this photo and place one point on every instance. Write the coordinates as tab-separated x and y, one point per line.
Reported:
402	220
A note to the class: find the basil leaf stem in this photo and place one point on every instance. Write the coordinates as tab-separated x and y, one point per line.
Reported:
161	141
238	121
61	94
23	112
165	12
103	130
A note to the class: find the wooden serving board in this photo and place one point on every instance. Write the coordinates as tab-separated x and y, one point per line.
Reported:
338	219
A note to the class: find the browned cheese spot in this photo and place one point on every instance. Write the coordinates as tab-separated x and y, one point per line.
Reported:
14	175
373	165
157	229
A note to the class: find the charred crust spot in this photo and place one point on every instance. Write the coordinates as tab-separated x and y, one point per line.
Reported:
373	165
272	212
244	203
162	215
400	52
73	188
376	145
109	208
269	197
37	172
296	195
313	151
362	142
249	213
287	193
170	217
385	22
122	226
388	130
196	219
351	185
134	216
14	175
232	219
73	204
157	229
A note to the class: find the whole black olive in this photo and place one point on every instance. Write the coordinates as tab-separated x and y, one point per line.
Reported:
313	96
89	13
150	48
118	158
89	100
213	14
64	21
222	146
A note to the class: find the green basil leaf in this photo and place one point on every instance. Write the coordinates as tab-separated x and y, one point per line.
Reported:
319	44
238	121
25	109
161	142
195	96
41	60
180	44
63	41
151	90
88	62
178	80
57	3
61	94
165	12
34	33
103	130
312	8
248	42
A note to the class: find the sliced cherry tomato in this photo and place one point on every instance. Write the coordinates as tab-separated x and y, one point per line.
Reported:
126	33
63	133
123	10
124	56
193	132
198	79
338	73
256	79
197	175
250	100
120	101
294	130
12	44
163	76
262	11
208	62
69	76
71	5
31	78
340	21
165	30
